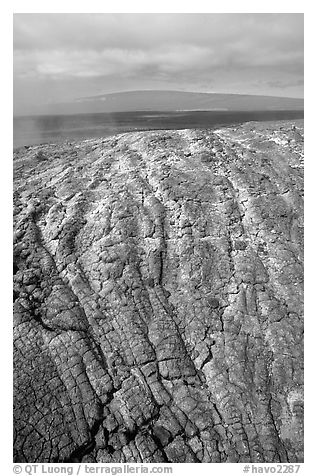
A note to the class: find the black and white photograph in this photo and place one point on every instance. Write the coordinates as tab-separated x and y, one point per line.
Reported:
158	240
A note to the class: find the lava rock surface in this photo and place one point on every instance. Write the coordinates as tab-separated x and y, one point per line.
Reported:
158	297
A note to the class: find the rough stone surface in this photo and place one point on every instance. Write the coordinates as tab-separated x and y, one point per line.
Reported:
158	297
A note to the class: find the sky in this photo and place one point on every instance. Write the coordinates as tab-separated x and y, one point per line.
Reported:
61	57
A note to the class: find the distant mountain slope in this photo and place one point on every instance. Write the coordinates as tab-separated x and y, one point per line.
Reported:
175	100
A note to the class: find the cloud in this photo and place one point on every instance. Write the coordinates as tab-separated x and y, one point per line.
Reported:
97	31
133	39
90	63
151	50
285	84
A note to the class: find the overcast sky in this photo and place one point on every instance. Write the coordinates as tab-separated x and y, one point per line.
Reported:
60	57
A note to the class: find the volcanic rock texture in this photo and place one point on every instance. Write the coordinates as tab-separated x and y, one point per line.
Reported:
158	297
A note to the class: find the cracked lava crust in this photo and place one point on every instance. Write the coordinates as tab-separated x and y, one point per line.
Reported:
158	312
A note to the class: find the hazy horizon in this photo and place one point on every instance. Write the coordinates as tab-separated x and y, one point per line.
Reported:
64	57
167	100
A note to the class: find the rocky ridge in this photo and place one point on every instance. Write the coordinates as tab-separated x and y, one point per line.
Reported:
158	297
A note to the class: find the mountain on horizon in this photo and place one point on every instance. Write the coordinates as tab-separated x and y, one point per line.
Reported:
159	100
